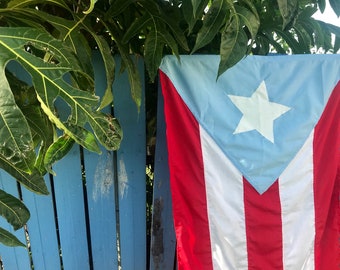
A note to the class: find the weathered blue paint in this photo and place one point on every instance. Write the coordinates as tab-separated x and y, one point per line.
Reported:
42	230
13	258
71	214
72	203
131	175
163	240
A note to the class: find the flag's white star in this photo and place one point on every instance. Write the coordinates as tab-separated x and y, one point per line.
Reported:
258	112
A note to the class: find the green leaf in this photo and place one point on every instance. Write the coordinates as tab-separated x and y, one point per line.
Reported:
9	239
289	39
195	6
113	135
153	52
250	20
109	65
69	32
233	45
41	128
170	41
132	70
288	10
20	3
33	182
13	210
212	23
322	5
335	4
189	15
16	145
49	78
57	151
135	28
117	7
159	17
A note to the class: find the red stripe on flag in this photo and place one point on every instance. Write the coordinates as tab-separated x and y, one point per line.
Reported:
187	182
327	185
263	227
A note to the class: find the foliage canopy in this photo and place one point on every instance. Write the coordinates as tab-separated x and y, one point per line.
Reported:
53	41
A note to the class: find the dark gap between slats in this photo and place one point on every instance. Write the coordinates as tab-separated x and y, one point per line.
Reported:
55	213
116	195
25	228
86	208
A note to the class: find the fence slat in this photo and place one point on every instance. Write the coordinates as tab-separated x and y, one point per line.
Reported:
42	230
13	258
163	239
71	215
99	170
99	178
131	175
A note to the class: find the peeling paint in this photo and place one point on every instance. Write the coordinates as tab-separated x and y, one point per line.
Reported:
122	178
103	177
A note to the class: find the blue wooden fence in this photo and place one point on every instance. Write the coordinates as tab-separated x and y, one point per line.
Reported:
95	215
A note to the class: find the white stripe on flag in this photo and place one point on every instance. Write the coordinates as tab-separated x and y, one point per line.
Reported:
224	187
297	203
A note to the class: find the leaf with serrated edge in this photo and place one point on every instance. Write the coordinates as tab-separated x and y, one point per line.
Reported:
9	239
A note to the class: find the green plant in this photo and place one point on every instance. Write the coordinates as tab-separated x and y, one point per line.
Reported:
53	41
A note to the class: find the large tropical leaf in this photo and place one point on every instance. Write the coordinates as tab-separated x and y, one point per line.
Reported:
49	81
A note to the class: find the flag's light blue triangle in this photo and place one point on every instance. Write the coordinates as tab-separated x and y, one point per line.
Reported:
235	109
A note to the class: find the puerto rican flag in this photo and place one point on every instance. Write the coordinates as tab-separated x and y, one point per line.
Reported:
254	159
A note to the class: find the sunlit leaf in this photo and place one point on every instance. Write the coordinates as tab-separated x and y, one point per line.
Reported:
33	182
57	151
49	78
13	210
